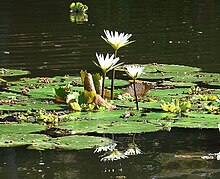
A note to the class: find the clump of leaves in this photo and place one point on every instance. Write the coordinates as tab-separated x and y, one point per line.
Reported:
61	93
199	91
78	8
78	12
208	97
212	108
176	106
47	118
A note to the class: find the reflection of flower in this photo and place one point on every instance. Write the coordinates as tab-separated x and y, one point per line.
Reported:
218	156
133	149
117	40
134	71
110	147
78	17
114	155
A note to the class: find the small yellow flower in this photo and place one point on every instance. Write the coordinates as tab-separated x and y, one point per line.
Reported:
134	71
117	40
106	63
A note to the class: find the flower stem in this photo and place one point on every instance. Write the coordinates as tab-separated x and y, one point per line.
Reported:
135	94
103	84
113	79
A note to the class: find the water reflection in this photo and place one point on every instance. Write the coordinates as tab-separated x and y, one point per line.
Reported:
165	155
185	32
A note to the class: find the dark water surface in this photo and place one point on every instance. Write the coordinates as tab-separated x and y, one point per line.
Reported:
37	35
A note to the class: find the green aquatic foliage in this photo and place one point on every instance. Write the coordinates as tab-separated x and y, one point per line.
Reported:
10	72
208	97
78	12
61	93
43	142
184	106
78	8
176	106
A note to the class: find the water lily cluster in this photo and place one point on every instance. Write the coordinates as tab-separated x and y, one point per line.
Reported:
110	62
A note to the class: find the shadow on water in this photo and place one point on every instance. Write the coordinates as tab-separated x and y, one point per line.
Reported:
157	161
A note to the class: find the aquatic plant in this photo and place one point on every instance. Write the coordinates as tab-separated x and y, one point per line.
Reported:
78	8
116	40
106	64
176	106
134	71
78	12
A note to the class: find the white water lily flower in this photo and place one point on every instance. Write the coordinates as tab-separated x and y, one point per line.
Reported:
110	147
117	40
106	63
134	71
133	149
114	155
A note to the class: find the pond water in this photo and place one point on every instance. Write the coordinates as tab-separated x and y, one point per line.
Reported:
38	36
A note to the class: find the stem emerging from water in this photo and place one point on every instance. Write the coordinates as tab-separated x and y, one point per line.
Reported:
135	94
103	85
113	78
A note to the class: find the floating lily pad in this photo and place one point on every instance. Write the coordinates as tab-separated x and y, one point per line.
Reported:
168	94
157	76
147	68
112	127
42	142
15	140
132	104
198	77
214	83
80	142
108	122
178	84
11	72
175	68
20	128
198	120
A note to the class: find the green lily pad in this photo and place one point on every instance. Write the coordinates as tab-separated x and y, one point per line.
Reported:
198	77
15	140
132	104
198	120
108	122
80	142
11	72
110	127
175	68
157	76
214	83
168	94
20	128
42	142
177	84
147	68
